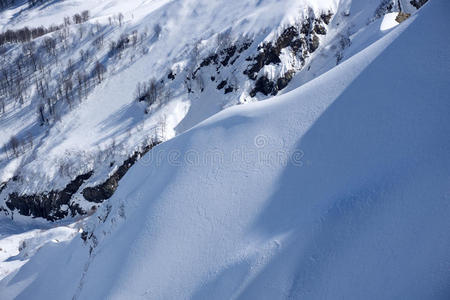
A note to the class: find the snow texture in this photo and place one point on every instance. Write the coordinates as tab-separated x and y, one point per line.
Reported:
337	189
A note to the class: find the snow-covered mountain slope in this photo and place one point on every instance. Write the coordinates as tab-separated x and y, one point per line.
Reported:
72	118
67	123
337	189
19	244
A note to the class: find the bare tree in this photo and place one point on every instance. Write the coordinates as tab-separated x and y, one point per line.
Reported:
77	19
41	114
29	140
149	92
70	66
157	29
85	15
41	88
81	31
98	42
168	95
134	38
29	49
50	45
120	18
99	71
82	84
66	21
14	145
200	82
68	86
82	55
153	92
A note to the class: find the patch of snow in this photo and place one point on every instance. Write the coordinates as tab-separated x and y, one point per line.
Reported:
389	21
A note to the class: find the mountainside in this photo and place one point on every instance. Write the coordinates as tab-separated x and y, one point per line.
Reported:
110	80
88	87
337	187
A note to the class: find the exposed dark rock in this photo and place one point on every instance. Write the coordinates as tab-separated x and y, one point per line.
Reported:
268	55
418	3
84	235
286	38
326	18
222	85
229	90
223	57
306	27
244	47
171	75
4	210
48	205
2	186
209	60
319	29
282	82
301	41
296	45
234	60
229	53
401	17
386	6
339	57
265	86
314	43
105	190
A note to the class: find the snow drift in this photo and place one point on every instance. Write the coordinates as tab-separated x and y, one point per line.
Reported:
338	189
60	122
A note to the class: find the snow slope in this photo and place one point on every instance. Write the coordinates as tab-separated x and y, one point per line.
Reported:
98	131
108	125
338	189
18	244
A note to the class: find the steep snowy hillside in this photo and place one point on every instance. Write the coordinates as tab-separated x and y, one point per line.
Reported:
88	87
337	189
110	79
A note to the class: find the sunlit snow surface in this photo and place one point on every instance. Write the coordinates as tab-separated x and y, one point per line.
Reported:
346	194
389	21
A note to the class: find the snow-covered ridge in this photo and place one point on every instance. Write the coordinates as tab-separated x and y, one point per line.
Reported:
362	213
73	118
63	77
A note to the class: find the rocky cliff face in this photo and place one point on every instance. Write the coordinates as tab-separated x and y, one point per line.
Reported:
58	204
54	205
299	41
